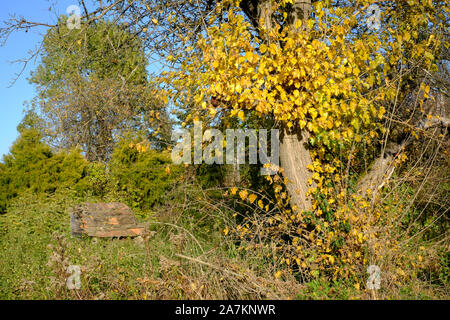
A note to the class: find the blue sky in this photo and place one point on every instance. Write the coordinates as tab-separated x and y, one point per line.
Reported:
12	99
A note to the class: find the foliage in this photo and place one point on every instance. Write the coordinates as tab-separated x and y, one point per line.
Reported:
142	174
36	249
94	84
32	166
333	77
366	100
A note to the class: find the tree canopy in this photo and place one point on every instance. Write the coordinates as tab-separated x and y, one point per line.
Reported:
93	85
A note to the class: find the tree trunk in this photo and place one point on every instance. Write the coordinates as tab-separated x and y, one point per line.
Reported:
294	159
294	155
383	167
380	172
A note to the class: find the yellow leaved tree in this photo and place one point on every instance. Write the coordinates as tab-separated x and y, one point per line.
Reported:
335	77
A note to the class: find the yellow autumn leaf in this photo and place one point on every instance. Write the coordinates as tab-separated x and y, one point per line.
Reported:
243	194
241	115
263	48
302	124
331	258
260	204
252	198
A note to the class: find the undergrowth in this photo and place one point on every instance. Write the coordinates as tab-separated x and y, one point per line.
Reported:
184	255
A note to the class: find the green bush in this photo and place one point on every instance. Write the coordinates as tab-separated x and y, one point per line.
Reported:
136	174
141	174
32	166
98	179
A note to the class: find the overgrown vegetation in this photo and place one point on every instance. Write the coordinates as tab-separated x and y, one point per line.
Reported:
185	255
363	183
